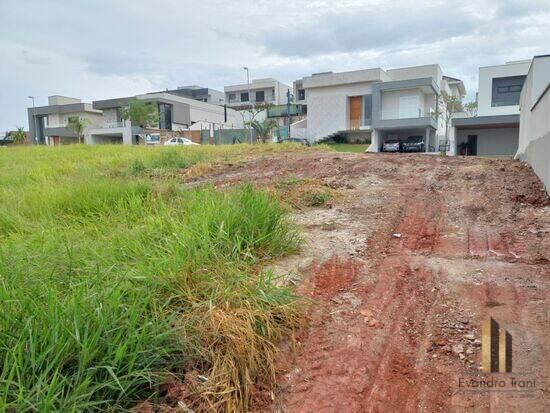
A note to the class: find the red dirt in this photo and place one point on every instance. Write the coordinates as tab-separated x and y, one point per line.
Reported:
401	273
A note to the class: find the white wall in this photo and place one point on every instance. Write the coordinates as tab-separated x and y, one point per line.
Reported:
486	75
391	99
327	110
534	130
416	72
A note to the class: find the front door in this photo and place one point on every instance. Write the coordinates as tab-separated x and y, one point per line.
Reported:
472	145
355	109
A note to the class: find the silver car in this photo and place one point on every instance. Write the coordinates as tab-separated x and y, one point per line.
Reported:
391	145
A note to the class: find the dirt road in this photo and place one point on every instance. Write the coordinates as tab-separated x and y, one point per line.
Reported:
402	268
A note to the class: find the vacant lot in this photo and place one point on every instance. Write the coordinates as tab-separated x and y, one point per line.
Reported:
402	265
134	274
116	281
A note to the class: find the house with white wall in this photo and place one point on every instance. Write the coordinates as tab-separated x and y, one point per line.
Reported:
50	124
495	129
104	123
534	124
265	91
377	104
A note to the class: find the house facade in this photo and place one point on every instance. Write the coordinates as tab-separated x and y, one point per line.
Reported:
50	124
265	91
495	129
104	122
376	105
534	125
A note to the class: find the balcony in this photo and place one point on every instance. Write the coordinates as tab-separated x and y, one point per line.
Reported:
280	111
418	113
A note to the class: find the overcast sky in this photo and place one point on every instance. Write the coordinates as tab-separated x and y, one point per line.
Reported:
107	48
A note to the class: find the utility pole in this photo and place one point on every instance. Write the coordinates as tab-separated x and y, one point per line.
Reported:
288	95
250	100
34	119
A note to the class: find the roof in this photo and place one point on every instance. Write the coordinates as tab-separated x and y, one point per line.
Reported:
478	122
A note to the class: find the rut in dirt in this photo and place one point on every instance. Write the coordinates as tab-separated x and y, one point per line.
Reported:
366	344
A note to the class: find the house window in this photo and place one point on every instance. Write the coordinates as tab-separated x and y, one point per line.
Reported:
232	96
244	97
367	110
72	119
260	96
506	90
165	116
301	94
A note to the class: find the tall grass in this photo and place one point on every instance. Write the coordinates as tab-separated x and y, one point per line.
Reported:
112	277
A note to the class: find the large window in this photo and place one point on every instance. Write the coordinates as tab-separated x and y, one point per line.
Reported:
260	96
301	94
165	116
244	97
232	97
506	90
367	110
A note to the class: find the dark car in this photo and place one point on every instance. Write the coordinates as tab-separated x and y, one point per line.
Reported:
413	144
391	145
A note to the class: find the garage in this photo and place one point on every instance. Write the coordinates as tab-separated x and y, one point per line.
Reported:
487	135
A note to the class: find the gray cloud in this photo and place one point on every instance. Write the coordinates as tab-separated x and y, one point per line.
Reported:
103	48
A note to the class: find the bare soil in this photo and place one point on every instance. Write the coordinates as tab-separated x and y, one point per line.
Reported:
400	270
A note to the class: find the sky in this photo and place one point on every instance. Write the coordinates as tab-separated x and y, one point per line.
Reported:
98	49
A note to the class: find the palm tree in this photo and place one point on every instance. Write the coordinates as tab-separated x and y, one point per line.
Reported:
19	136
78	125
263	129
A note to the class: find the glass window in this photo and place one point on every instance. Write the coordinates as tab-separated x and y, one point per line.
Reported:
165	116
301	94
260	97
244	97
506	90
232	96
367	110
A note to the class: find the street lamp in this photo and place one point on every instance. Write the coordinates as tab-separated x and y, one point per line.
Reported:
249	98
34	118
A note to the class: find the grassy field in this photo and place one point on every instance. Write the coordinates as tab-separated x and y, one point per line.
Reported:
114	276
349	147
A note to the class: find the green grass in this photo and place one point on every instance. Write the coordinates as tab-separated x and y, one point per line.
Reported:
113	275
349	147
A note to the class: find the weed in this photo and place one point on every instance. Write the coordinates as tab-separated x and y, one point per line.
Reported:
109	284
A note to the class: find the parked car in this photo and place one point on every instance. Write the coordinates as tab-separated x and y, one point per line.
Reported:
391	145
413	144
179	141
152	139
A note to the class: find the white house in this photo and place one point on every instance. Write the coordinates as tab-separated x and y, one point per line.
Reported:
534	126
377	104
50	124
495	129
269	90
104	123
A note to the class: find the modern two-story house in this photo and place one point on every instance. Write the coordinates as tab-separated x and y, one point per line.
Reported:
104	123
376	105
243	96
495	129
50	124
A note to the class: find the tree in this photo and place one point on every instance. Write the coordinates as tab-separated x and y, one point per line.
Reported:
19	136
140	113
252	113
448	106
263	129
471	108
78	125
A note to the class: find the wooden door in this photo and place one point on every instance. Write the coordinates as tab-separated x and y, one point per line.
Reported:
355	111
